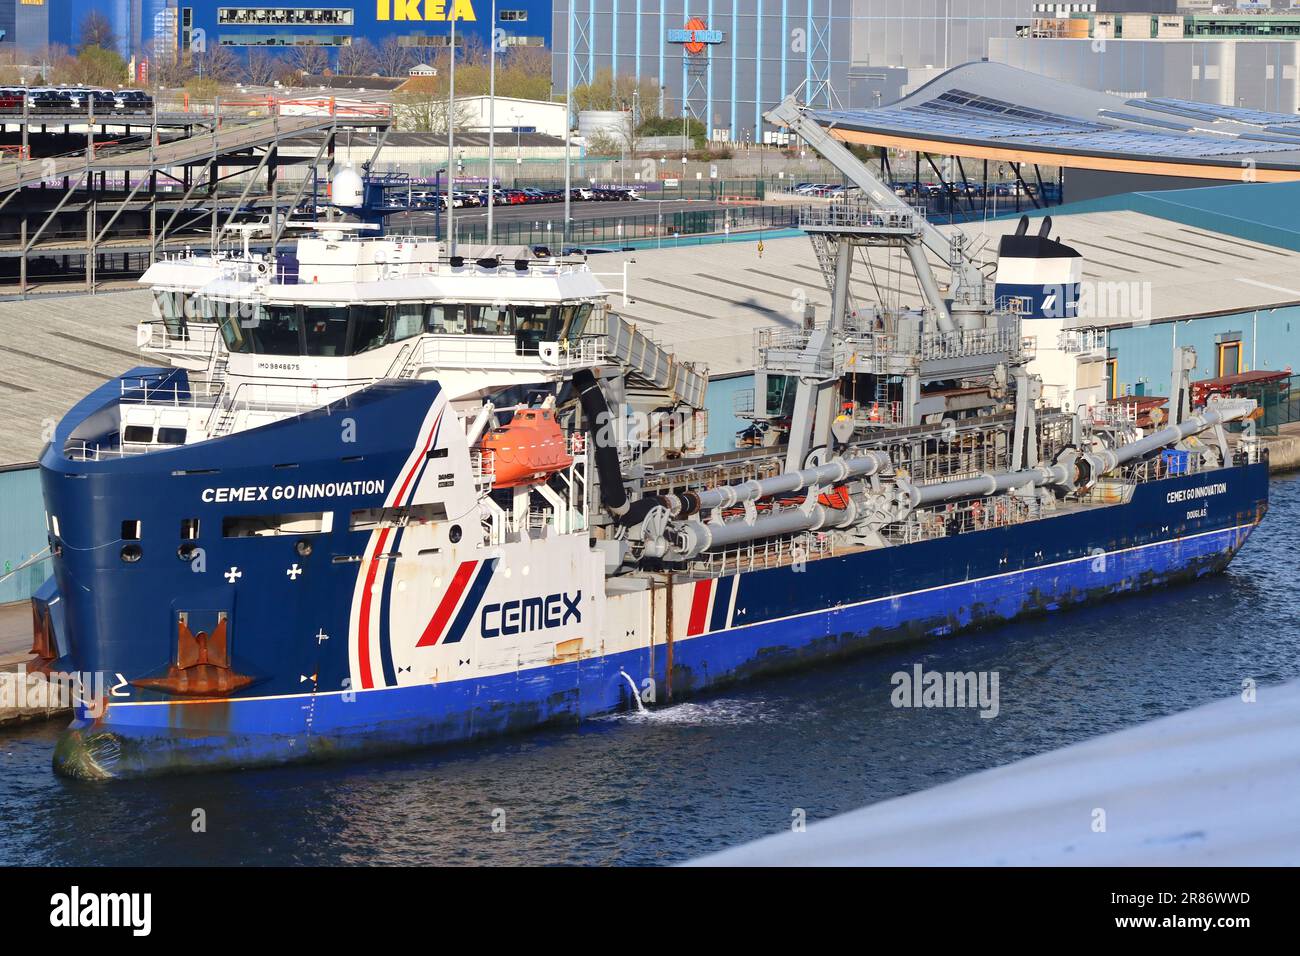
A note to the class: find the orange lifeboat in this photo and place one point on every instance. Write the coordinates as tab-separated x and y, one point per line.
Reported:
528	450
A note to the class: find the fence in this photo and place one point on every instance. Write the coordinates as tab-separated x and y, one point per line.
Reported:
1280	402
613	230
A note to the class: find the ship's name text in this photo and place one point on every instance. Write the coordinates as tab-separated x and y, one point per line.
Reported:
1191	494
332	489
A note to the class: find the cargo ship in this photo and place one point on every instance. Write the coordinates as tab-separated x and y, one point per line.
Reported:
385	495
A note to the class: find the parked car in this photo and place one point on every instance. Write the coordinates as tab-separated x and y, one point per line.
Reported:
133	101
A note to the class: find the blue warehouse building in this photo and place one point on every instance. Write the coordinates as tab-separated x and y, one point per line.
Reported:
153	28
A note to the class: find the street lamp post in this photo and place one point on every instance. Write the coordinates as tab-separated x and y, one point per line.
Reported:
492	126
451	143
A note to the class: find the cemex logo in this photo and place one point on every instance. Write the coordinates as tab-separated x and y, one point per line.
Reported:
530	614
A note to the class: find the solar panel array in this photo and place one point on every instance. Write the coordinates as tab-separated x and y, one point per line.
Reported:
1213	111
1145	120
959	114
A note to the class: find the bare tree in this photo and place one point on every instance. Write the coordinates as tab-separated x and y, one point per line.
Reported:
425	112
309	59
260	70
219	63
392	59
357	59
171	71
96	31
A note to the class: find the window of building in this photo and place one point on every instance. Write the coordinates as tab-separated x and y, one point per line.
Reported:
513	16
131	529
314	16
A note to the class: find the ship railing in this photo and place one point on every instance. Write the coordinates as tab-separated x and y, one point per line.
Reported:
1107	415
1014	304
975	514
144	390
769	553
875	414
1082	341
963	342
497	352
786	351
858	215
77	449
192	339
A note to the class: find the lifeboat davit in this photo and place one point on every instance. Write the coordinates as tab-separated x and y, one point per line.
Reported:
528	450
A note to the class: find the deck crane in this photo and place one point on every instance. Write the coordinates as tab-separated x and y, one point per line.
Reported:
969	296
958	327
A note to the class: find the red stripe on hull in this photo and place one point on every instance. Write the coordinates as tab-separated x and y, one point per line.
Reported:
699	608
363	625
447	606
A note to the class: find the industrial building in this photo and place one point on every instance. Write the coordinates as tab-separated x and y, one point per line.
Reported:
1241	60
147	29
725	62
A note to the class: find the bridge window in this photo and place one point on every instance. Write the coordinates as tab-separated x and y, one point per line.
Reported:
575	320
327	331
490	319
447	319
369	328
408	320
275	330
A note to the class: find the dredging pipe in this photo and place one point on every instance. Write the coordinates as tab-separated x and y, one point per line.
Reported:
726	496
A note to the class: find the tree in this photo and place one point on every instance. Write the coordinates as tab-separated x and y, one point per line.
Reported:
219	63
96	31
309	59
675	126
170	72
424	110
525	72
92	66
260	69
358	59
610	92
392	59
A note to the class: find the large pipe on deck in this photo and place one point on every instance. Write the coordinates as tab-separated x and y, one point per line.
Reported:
696	537
1078	469
727	496
1113	457
987	484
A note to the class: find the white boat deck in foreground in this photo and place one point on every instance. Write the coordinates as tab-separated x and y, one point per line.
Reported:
1218	785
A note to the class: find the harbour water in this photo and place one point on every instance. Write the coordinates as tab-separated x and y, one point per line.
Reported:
679	781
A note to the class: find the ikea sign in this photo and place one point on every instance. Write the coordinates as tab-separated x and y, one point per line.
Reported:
425	10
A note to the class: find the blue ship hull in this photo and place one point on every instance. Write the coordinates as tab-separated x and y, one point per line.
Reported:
301	702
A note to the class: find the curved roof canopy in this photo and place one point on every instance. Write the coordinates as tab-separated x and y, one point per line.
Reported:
994	111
